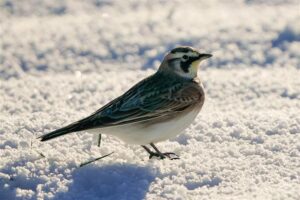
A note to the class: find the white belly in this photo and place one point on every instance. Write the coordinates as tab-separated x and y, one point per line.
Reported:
140	134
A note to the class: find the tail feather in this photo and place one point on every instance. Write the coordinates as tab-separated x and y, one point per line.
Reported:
62	131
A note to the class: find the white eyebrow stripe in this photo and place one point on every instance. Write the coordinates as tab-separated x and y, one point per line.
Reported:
180	54
192	54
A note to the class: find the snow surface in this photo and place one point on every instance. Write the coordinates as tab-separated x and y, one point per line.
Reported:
62	60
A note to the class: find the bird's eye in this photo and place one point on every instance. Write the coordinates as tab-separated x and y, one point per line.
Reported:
185	57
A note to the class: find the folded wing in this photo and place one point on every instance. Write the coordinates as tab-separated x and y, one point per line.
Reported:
152	98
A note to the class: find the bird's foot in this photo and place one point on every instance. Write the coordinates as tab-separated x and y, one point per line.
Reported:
170	155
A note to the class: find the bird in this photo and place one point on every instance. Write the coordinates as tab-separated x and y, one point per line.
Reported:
155	109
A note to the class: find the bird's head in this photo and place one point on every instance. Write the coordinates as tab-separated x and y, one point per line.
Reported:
183	61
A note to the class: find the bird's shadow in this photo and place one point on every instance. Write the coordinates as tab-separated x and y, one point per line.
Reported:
110	181
116	181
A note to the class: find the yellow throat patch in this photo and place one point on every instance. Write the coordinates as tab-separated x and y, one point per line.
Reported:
194	67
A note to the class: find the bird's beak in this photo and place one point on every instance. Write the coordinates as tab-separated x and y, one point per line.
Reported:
203	56
195	64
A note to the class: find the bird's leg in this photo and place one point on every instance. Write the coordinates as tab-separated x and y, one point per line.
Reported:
147	149
151	153
170	155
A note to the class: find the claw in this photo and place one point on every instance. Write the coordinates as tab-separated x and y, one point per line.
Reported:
155	155
158	154
170	155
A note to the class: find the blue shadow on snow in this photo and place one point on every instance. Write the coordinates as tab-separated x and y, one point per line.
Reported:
117	181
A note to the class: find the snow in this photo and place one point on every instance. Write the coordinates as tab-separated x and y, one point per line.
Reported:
62	60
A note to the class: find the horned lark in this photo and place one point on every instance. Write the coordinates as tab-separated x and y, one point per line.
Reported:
155	109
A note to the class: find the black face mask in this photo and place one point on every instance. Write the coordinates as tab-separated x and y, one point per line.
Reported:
186	64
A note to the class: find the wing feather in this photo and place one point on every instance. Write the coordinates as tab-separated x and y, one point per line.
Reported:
150	99
154	97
